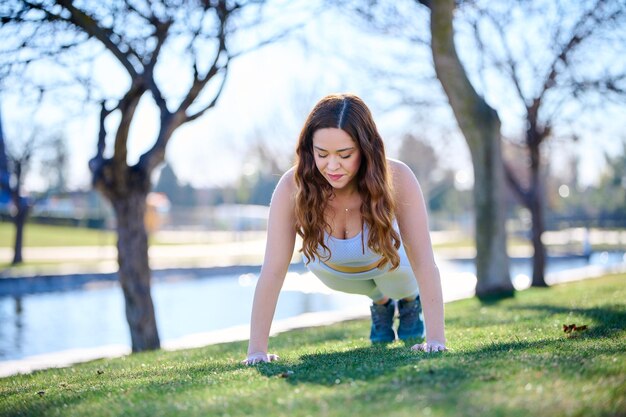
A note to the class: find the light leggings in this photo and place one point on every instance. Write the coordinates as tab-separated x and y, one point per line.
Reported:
376	284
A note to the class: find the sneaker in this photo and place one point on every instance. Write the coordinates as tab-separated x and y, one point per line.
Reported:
411	323
382	322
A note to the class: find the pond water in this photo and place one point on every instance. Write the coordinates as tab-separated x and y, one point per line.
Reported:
50	322
42	323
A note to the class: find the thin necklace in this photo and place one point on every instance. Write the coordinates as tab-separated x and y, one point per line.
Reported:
345	230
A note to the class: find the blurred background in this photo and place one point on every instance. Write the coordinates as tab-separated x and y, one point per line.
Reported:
555	69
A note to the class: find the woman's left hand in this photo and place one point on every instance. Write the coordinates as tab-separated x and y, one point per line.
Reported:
430	347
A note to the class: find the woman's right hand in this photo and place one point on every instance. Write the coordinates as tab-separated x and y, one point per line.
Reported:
258	357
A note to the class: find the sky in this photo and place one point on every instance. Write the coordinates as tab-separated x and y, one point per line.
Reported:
269	93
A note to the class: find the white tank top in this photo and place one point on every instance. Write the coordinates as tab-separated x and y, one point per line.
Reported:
352	252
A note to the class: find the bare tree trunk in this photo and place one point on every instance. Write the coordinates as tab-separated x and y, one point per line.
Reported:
532	197
492	262
134	269
5	183
19	220
22	208
535	205
539	258
481	128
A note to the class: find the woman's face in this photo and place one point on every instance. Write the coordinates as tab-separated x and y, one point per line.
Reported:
337	157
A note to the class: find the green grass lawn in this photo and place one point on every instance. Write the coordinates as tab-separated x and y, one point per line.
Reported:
50	236
509	358
41	235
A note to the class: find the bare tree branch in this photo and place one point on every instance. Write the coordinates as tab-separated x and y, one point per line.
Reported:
127	106
510	63
519	191
104	113
581	31
483	52
148	18
92	27
268	41
200	81
161	32
213	102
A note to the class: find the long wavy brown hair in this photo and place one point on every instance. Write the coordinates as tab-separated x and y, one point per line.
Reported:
349	113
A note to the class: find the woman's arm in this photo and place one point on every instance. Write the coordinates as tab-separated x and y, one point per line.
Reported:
413	222
281	237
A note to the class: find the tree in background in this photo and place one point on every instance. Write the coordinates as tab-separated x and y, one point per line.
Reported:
613	182
422	159
177	193
446	203
548	79
5	177
478	122
263	170
6	188
606	203
480	125
270	148
148	40
54	164
601	204
19	161
15	162
551	82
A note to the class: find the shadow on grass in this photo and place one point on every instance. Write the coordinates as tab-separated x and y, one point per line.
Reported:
453	367
602	320
495	299
605	321
365	363
378	361
487	377
144	390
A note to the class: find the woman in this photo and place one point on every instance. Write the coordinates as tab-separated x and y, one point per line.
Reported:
363	225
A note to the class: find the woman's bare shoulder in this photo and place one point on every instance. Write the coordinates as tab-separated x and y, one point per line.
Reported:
400	171
286	187
395	164
288	180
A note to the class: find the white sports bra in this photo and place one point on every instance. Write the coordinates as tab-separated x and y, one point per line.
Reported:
352	257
